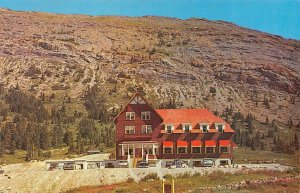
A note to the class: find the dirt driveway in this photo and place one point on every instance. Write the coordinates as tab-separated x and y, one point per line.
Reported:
32	177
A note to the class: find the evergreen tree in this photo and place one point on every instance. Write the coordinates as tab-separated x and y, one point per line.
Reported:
290	122
296	142
267	120
69	139
44	138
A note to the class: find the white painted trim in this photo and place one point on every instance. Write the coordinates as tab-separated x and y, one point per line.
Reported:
130	113
172	128
127	127
201	127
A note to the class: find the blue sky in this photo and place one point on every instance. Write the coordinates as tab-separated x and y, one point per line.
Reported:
280	17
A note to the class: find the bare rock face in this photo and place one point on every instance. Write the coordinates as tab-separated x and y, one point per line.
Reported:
167	58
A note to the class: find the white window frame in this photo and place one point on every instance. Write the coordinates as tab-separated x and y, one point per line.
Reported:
165	151
128	129
172	128
186	124
214	149
201	127
130	116
228	149
182	147
195	147
217	127
145	115
145	128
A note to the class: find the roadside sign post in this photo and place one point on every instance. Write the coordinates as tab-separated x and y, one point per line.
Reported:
168	186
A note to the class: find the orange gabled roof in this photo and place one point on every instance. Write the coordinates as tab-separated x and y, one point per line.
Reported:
196	143
182	144
168	143
210	143
224	143
193	116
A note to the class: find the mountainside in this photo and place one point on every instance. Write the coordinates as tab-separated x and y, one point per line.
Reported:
197	62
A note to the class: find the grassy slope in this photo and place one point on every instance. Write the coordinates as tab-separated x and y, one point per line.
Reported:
243	155
190	183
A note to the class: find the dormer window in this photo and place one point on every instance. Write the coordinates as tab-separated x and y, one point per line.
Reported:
186	127
169	129
204	128
220	127
145	115
130	116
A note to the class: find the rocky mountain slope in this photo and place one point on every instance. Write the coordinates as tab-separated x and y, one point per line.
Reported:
197	62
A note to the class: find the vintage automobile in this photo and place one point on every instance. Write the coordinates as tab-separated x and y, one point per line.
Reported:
178	164
69	166
207	162
142	164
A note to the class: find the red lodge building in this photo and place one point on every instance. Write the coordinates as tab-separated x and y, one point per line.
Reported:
162	135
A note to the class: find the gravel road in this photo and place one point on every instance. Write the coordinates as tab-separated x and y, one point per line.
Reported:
32	177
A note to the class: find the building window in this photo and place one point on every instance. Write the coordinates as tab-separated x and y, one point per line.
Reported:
220	128
145	115
181	150
128	150
146	129
129	129
168	150
196	149
210	150
130	115
224	150
204	128
169	129
187	128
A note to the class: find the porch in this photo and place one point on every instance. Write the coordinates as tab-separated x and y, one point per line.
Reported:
138	149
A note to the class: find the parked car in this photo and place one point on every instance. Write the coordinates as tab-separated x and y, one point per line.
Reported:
69	167
142	164
207	163
178	164
123	164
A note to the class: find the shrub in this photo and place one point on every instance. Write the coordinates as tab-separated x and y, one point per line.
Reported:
150	176
130	180
184	175
120	190
216	175
168	176
196	174
87	80
212	90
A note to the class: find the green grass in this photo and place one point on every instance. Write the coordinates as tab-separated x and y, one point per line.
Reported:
18	157
184	183
291	187
242	155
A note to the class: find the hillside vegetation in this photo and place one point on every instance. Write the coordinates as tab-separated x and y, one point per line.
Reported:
64	77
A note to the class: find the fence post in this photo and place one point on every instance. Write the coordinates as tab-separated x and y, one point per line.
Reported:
173	186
